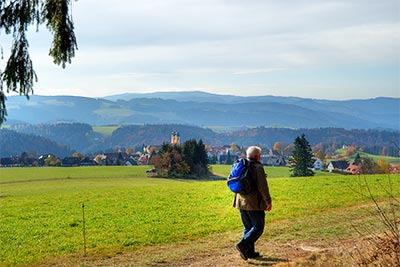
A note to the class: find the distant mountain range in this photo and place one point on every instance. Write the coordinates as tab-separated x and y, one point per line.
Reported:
205	109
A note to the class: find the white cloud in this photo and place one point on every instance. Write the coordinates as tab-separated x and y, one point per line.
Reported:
218	44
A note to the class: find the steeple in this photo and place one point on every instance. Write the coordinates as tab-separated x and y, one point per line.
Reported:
175	138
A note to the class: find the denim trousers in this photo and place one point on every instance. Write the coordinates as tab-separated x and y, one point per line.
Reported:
253	222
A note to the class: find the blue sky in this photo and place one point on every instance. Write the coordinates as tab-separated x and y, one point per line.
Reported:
334	49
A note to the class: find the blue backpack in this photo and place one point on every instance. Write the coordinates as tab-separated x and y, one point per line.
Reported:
239	179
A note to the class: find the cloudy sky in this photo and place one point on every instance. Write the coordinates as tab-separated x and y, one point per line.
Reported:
333	49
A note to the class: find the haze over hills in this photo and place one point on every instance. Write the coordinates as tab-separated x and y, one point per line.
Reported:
205	109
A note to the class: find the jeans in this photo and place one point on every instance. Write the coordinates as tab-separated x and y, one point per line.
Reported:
253	222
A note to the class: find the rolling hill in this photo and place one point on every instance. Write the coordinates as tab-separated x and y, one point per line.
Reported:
204	109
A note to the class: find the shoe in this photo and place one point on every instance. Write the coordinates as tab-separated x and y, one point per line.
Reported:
241	251
254	255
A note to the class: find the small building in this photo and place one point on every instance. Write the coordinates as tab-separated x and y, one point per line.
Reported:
274	160
318	165
338	165
353	169
10	162
88	162
71	162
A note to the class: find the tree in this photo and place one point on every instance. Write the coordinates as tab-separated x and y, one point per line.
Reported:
189	158
278	147
351	150
15	18
52	160
195	155
234	147
78	155
129	151
229	159
301	161
99	158
384	167
320	155
357	160
369	166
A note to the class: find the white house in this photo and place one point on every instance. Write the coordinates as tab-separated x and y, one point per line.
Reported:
318	165
339	165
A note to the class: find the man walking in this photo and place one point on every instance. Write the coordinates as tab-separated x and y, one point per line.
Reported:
253	205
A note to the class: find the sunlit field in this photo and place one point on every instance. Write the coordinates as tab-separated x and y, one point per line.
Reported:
41	209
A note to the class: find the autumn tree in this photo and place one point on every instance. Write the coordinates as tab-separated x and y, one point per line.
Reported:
369	166
16	16
78	155
189	158
129	151
234	147
99	158
320	155
351	150
384	167
52	160
278	147
301	161
288	149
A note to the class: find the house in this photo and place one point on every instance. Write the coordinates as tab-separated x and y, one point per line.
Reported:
113	159
339	165
143	160
88	162
353	169
130	162
71	162
318	165
10	162
273	160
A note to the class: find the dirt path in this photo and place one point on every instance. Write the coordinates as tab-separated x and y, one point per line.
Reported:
208	252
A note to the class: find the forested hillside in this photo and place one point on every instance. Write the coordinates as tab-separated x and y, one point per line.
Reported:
78	136
81	137
13	143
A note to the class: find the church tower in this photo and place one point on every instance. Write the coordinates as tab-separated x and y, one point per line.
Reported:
175	138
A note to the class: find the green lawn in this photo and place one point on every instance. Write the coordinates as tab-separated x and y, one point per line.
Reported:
41	215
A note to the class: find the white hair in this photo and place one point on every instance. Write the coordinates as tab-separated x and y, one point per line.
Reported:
252	151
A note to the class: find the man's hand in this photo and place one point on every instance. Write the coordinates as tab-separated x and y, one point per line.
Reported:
269	207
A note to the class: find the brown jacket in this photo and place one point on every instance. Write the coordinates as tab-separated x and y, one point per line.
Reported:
260	197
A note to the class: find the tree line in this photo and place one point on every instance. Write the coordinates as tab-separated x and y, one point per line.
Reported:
81	137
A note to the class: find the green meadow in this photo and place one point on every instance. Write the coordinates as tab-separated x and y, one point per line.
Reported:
41	209
105	130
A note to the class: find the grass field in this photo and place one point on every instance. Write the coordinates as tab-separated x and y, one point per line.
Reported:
41	209
105	130
393	160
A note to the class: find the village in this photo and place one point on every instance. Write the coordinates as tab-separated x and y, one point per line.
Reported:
226	154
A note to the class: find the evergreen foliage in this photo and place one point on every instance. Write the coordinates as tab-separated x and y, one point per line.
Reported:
13	144
15	18
189	159
301	161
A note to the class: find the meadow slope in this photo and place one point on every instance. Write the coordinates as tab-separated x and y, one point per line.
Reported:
132	220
